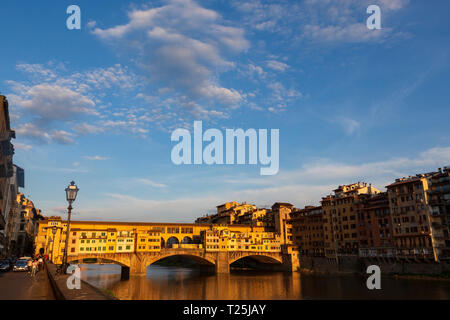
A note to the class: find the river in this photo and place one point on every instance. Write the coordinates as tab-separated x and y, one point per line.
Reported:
174	283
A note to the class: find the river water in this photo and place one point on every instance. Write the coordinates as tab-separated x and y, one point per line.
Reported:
171	283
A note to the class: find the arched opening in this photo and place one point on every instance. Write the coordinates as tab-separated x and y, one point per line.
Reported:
171	241
256	262
175	265
109	269
187	240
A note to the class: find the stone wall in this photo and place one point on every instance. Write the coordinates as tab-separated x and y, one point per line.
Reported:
353	264
62	292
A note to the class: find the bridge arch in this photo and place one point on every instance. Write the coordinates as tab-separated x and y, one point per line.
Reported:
202	260
262	258
171	241
121	261
187	240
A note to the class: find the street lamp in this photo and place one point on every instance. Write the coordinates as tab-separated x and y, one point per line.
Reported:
54	230
71	194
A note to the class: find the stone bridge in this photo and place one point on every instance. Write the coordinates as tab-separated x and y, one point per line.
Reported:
136	263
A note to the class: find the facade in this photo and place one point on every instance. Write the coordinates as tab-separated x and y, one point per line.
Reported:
22	226
439	206
340	218
234	213
375	226
223	239
125	237
8	181
307	226
412	222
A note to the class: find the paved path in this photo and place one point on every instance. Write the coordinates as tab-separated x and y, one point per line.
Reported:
21	286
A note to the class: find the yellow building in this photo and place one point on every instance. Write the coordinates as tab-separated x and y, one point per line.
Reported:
125	241
223	239
88	237
148	241
340	218
415	227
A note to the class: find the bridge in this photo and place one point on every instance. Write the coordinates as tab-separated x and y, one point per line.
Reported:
136	245
137	263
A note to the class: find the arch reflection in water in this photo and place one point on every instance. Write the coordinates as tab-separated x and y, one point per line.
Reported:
174	283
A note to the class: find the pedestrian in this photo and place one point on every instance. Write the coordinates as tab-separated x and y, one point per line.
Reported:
34	268
41	262
29	265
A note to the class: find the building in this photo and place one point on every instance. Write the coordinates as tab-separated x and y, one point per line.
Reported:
412	222
224	239
340	218
22	226
126	237
8	180
307	228
375	226
233	213
439	205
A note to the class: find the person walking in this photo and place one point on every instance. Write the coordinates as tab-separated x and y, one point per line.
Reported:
34	268
41	262
29	265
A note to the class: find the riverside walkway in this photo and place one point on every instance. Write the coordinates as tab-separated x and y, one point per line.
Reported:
22	286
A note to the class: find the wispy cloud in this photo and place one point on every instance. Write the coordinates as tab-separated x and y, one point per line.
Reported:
151	183
95	158
22	146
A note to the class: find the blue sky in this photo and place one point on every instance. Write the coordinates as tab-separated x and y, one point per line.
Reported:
98	105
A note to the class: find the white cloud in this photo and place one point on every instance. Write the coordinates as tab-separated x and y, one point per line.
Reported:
277	65
86	128
52	102
326	21
52	98
356	32
349	125
62	137
96	158
151	183
37	70
30	130
22	146
179	42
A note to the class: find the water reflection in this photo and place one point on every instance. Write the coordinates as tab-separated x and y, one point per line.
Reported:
174	283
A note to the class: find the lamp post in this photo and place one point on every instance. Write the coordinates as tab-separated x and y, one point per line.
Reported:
71	194
54	230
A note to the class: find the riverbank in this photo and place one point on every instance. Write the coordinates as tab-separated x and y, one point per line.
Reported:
392	267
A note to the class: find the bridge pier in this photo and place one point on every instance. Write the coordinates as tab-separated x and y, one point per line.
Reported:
291	262
222	263
124	273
